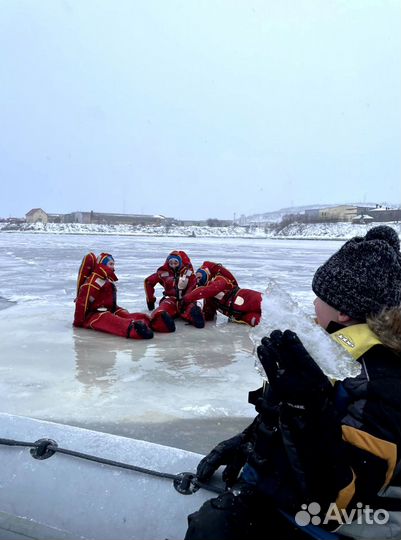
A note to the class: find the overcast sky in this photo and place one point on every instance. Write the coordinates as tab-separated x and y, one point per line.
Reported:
198	108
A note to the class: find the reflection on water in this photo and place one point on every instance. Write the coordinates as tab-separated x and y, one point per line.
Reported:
193	350
103	361
171	390
95	363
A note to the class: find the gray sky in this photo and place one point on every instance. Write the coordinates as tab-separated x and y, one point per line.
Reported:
199	109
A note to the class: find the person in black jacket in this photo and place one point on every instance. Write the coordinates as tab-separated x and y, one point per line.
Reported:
316	448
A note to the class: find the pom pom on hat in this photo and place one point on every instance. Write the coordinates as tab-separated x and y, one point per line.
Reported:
383	232
363	276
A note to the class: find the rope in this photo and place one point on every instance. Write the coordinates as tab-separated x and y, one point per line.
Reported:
10	442
53	448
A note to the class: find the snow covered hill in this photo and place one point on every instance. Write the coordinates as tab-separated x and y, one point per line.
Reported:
277	215
326	231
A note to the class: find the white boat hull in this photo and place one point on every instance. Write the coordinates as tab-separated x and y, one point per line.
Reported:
68	497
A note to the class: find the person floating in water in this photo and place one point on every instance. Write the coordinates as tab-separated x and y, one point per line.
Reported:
220	291
96	302
177	277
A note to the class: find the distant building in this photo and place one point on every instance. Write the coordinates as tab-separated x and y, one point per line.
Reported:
36	215
77	217
364	209
107	218
383	214
55	218
339	213
362	218
361	214
189	222
211	222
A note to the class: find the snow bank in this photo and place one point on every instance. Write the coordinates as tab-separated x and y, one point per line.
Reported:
312	231
138	230
332	231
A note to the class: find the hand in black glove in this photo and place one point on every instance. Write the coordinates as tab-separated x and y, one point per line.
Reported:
232	452
294	376
151	305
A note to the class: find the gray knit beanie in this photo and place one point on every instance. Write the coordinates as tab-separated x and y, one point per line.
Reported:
364	276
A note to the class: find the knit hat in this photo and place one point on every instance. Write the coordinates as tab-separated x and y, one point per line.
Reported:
363	276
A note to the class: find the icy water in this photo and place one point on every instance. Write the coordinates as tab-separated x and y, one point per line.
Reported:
187	389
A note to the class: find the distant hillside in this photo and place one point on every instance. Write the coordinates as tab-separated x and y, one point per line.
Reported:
277	215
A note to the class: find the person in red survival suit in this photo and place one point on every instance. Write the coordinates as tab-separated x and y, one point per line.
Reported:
178	279
96	303
220	291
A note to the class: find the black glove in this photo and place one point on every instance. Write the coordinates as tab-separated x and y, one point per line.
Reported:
310	430
151	305
294	376
232	452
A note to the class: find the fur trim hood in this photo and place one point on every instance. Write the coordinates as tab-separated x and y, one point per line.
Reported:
387	327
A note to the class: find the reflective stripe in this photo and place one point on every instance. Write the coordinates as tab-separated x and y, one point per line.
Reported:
97	318
86	300
232	319
93	286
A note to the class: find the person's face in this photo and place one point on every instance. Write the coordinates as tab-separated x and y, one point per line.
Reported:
198	276
325	313
173	264
111	264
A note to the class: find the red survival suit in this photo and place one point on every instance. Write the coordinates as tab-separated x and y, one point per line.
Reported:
96	303
220	291
177	282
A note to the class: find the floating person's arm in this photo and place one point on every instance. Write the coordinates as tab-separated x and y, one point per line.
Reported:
219	284
149	284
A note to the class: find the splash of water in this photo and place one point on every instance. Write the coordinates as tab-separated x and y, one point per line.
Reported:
280	311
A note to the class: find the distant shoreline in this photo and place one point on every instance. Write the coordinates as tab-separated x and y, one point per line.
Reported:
326	238
295	231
